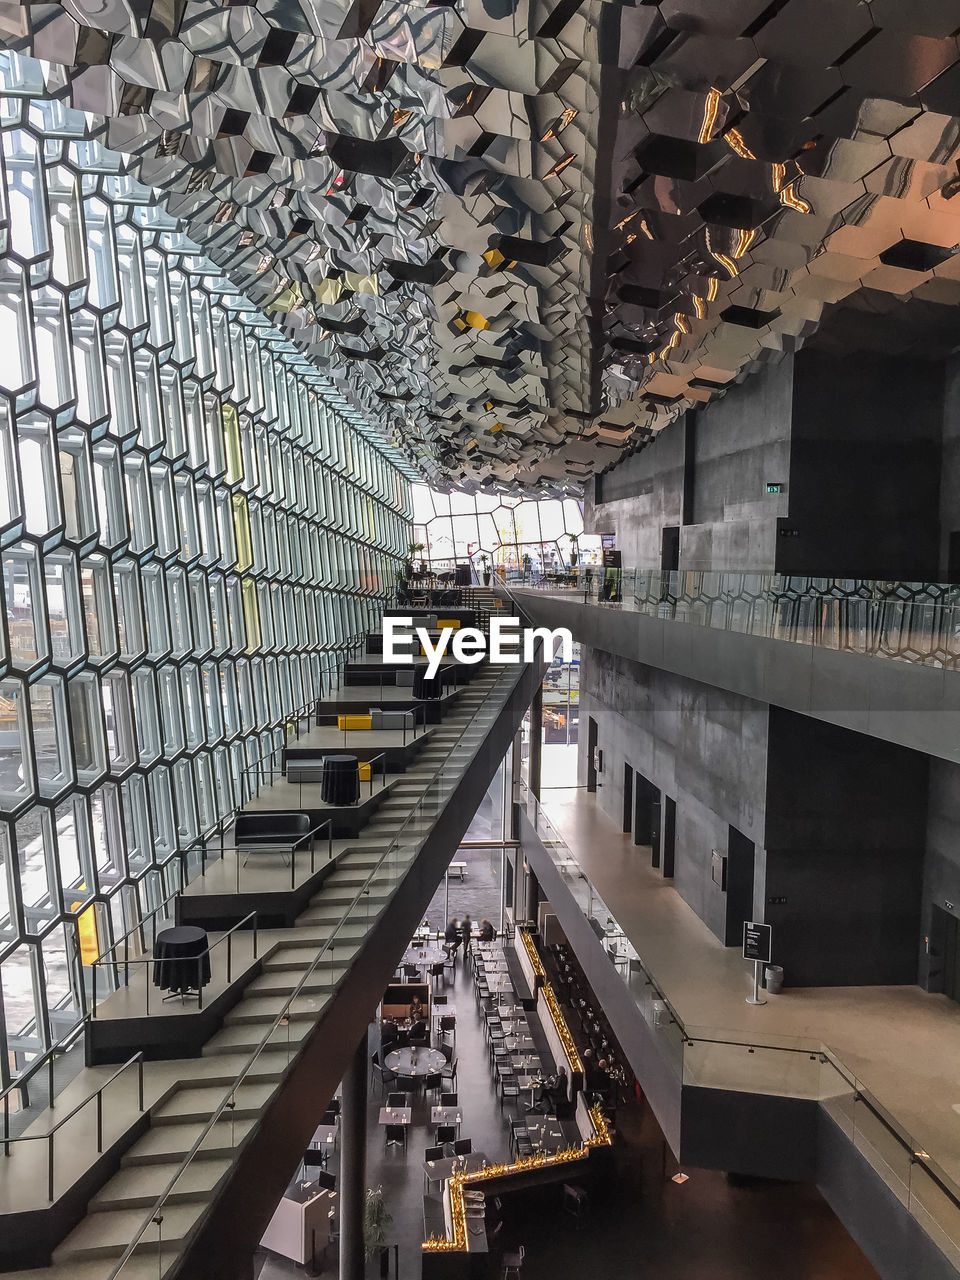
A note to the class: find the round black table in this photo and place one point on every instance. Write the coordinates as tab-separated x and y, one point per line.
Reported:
425	686
341	780
181	959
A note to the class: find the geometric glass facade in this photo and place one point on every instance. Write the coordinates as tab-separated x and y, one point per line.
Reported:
461	526
191	519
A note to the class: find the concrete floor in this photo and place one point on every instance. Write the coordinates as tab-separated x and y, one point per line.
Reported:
902	1043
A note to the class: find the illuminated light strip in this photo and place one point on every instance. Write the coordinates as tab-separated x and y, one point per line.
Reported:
574	1060
726	262
600	1137
531	950
700	306
734	139
680	321
561	165
747	238
713	288
779	172
710	109
674	339
789	197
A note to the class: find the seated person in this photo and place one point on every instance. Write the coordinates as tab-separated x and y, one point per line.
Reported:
416	1009
388	1034
418	1029
487	932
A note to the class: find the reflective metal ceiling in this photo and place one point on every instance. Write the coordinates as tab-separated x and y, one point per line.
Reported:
523	235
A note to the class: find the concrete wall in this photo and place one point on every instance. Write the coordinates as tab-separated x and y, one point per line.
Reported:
704	747
950	461
844	836
941	879
865	456
640	496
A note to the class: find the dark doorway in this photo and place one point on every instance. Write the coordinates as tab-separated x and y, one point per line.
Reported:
670	548
656	818
641	810
669	836
953	557
591	752
945	954
740	853
627	799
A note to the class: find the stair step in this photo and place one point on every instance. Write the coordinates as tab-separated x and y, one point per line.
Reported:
173	1141
195	1103
245	1037
106	1235
266	1008
139	1186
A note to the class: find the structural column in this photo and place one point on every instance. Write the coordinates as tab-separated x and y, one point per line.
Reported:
536	740
353	1165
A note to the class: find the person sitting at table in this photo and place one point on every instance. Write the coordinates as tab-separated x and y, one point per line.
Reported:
388	1035
451	937
418	1030
487	932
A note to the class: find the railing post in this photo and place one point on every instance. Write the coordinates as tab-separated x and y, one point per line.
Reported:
50	1080
50	1139
140	1082
99	1121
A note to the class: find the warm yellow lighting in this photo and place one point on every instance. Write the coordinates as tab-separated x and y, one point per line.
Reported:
475	320
789	197
734	139
745	241
674	339
778	174
535	961
563	1031
710	109
568	115
561	165
493	258
681	322
727	262
713	288
700	306
497	427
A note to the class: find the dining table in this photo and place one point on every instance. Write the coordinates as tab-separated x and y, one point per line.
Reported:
525	1061
440	1170
414	1063
396	1115
446	1115
500	982
545	1133
325	1135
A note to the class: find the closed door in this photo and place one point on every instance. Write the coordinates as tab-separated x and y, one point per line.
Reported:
591	748
945	954
627	799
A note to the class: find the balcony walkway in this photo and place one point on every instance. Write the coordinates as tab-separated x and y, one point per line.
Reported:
901	1042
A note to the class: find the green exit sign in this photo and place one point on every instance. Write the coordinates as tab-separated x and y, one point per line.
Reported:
775	488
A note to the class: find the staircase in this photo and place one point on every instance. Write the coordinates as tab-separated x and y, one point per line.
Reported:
177	1118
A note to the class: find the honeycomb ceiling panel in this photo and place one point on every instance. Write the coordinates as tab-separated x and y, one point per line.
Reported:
522	236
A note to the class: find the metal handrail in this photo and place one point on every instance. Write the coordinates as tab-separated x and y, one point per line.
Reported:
46	1059
50	1136
152	959
691	1038
154	1215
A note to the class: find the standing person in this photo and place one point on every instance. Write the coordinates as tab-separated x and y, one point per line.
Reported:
466	929
451	937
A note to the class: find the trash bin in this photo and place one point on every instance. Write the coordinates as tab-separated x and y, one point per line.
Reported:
773	978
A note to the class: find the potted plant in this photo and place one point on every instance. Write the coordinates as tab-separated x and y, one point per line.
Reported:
574	550
527	563
375	1221
485	561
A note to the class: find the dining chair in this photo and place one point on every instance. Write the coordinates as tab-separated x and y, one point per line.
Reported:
395	1135
449	1100
463	1146
433	1082
445	1133
396	1100
512	1262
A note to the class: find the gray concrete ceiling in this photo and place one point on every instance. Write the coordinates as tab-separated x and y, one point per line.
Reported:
523	235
